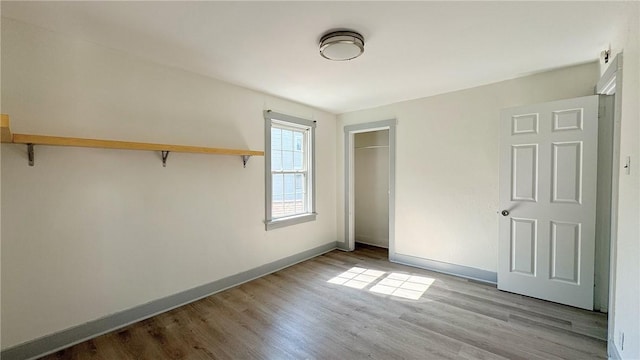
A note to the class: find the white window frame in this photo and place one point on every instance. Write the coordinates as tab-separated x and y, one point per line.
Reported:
292	122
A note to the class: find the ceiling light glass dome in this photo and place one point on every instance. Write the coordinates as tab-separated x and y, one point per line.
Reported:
341	45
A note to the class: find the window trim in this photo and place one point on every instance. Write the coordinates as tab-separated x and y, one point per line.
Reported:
270	117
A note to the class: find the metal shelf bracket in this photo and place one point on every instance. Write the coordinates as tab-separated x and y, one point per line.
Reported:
245	159
30	154
165	155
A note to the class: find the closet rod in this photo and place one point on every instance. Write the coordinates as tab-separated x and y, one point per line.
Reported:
372	147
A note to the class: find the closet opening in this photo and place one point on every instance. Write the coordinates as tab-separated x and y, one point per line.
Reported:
371	188
369	196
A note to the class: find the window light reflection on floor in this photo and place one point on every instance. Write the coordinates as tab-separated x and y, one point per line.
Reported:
403	285
395	284
357	277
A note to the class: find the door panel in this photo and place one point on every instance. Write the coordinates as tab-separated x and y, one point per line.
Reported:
548	168
524	172
524	124
523	246
565	252
566	172
567	120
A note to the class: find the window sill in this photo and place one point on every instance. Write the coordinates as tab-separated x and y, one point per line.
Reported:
288	221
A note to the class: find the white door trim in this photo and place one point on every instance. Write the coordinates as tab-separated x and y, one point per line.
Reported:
610	83
349	193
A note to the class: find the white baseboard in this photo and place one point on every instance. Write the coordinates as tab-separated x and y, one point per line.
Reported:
446	268
612	351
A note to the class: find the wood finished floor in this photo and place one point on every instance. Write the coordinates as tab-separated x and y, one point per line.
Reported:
296	313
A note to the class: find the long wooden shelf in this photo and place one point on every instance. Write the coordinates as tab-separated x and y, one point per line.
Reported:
125	145
8	137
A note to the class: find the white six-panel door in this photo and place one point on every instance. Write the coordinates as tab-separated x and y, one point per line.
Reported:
548	167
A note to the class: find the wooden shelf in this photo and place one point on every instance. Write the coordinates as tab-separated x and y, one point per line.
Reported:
8	137
125	145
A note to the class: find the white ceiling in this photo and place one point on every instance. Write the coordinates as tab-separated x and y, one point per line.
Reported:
412	49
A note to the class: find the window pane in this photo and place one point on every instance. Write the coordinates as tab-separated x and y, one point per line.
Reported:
276	138
276	160
287	160
300	193
277	196
297	160
289	187
298	136
299	179
287	140
277	186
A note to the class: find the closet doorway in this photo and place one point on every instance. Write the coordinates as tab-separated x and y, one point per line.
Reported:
371	188
369	185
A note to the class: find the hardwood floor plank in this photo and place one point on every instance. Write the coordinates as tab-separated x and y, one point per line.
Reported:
492	343
312	311
579	342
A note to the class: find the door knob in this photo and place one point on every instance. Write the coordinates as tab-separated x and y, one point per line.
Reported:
505	212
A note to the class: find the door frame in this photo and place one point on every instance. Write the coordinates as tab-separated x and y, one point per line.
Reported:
610	83
349	193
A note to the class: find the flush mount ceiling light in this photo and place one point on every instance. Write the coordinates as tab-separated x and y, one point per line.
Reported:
341	45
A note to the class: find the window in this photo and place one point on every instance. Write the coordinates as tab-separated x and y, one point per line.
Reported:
289	170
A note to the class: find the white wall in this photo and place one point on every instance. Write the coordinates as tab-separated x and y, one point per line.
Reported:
447	163
90	232
371	183
626	302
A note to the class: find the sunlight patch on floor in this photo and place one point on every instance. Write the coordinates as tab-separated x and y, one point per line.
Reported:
357	277
395	284
403	285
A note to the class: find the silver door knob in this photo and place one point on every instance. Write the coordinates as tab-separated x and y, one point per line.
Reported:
505	212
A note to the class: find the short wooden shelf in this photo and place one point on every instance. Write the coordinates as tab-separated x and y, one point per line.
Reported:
30	140
5	131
